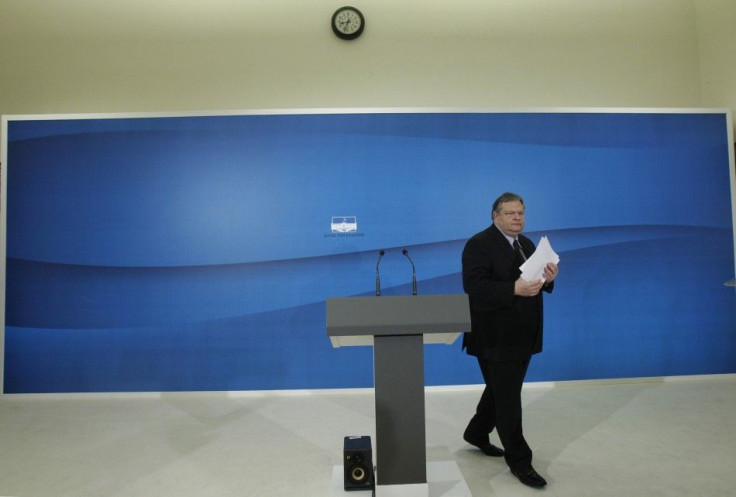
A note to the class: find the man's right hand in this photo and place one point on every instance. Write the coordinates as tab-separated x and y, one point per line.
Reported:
524	288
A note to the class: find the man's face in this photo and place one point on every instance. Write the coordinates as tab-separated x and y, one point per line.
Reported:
510	218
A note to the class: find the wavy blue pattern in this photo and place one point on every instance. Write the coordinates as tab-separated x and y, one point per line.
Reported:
262	188
683	333
196	253
45	295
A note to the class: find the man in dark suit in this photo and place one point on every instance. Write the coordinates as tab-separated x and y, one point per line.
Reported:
506	330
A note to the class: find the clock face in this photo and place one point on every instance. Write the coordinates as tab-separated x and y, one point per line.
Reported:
348	23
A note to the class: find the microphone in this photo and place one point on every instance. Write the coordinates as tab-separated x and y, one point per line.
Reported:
378	275
413	273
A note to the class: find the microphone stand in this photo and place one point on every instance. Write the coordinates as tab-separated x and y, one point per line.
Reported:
413	273
378	276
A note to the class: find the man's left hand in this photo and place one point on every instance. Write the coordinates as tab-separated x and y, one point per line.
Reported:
550	272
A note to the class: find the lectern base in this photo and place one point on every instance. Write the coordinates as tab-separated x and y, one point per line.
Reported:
444	479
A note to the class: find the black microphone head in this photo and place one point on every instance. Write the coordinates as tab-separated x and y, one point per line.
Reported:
405	252
381	252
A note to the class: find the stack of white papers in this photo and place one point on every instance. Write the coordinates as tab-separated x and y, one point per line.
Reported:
533	268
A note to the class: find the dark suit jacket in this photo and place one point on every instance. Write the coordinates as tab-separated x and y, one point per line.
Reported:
503	326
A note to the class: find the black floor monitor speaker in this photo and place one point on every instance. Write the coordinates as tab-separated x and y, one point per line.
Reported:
358	463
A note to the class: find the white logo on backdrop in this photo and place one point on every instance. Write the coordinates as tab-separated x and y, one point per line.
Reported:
344	224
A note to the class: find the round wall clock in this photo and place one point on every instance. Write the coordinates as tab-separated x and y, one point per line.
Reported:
348	23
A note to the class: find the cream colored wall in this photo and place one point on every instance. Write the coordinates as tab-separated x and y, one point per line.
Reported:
72	56
716	26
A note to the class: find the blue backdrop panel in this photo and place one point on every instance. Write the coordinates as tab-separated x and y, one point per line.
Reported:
195	253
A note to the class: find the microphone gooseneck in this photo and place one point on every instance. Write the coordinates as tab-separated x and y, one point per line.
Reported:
378	274
413	273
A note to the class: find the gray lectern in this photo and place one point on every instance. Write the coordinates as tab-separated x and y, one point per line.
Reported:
397	327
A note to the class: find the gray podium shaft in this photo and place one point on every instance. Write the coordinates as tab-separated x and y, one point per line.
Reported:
401	453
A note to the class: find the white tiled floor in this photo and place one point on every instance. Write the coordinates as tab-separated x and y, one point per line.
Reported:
639	438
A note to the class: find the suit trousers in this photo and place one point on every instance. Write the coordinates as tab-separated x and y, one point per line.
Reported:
500	408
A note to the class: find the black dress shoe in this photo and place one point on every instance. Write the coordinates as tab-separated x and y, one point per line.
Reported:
486	447
529	477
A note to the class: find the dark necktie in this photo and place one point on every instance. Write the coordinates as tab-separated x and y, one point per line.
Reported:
519	253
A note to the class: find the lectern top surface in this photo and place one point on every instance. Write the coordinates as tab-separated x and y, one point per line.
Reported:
398	315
